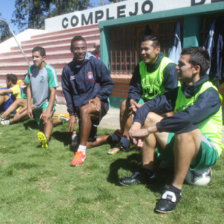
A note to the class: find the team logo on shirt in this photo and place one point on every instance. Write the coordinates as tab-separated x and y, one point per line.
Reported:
42	79
72	77
90	75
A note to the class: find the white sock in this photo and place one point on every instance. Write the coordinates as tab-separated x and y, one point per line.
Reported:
82	148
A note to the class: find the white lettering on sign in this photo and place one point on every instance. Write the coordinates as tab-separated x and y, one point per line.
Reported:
118	10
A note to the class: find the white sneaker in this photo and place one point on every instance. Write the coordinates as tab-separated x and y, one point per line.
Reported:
64	119
5	122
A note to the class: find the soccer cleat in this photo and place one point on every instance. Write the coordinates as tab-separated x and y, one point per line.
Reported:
145	177
78	159
43	140
5	122
64	118
168	202
113	151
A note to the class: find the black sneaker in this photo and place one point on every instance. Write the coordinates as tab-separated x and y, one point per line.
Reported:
168	202
145	177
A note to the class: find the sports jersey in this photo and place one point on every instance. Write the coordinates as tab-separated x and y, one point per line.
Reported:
41	81
16	91
152	82
165	80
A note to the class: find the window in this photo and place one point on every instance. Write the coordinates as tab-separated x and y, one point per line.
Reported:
125	43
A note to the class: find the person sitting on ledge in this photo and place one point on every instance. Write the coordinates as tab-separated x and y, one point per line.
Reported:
191	138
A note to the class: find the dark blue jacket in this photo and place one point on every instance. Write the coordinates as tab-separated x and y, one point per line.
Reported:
81	83
187	120
170	78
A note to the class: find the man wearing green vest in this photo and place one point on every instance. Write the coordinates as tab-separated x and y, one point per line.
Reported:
191	138
153	76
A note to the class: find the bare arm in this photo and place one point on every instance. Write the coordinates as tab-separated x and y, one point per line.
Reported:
5	91
138	134
29	101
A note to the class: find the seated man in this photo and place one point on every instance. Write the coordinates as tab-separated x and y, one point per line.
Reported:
191	138
9	94
20	104
86	84
154	75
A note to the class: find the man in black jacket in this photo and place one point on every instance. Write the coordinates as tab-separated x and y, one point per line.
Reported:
86	85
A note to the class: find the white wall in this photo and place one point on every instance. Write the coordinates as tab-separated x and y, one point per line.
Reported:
25	35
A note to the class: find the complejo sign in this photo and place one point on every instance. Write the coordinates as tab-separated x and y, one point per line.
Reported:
118	10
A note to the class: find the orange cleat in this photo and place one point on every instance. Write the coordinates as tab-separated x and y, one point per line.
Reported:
78	159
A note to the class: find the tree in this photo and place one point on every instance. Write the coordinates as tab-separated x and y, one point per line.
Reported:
115	1
4	31
32	13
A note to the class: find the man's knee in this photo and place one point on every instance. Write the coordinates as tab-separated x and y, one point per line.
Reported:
152	118
88	111
85	109
124	105
182	137
188	136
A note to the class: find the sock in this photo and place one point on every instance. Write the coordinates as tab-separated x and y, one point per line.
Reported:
125	142
175	190
82	148
114	137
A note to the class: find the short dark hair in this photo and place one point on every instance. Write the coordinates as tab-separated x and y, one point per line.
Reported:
12	78
75	38
198	56
39	49
153	38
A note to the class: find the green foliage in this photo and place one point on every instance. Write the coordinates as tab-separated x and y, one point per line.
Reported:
32	13
39	186
4	31
115	1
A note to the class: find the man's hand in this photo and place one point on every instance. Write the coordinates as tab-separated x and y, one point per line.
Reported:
45	116
97	102
29	112
134	105
72	122
139	142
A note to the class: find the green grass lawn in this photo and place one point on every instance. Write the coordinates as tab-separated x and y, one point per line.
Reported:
39	186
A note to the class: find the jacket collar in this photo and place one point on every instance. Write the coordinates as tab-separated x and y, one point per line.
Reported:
87	58
190	91
155	65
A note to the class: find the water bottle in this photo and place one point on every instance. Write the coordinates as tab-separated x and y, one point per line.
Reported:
74	135
74	140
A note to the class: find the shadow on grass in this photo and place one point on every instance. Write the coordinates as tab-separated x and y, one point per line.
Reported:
30	124
164	176
64	137
131	163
